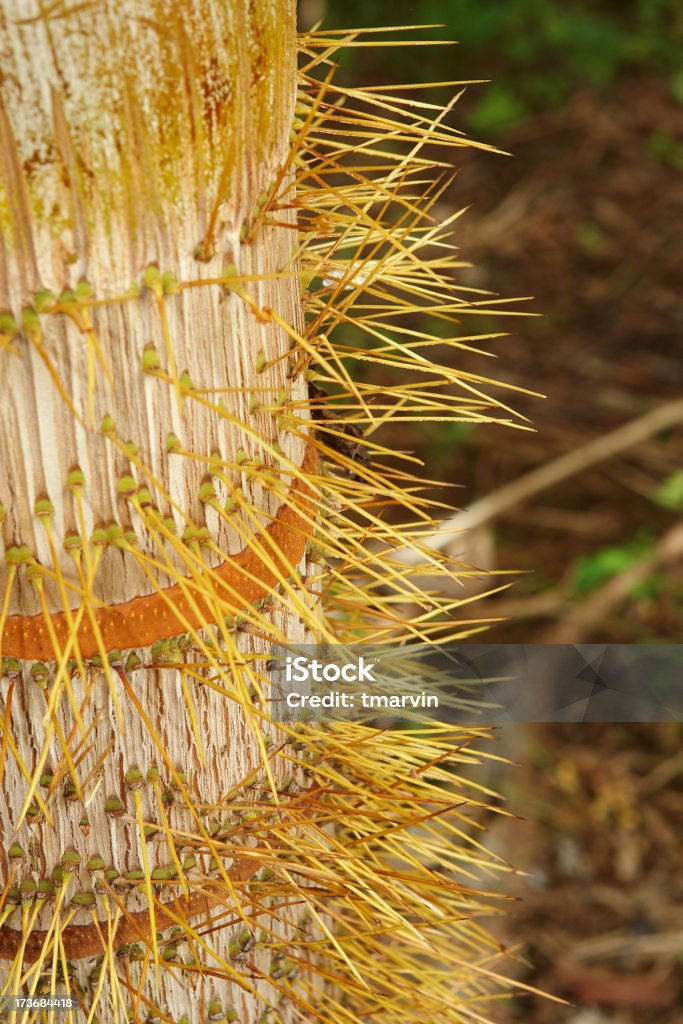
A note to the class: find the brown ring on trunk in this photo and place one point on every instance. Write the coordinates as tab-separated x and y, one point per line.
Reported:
143	621
85	940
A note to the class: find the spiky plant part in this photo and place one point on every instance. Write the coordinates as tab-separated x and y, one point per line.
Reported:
186	240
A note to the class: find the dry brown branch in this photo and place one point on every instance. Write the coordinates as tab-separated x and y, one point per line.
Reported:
664	417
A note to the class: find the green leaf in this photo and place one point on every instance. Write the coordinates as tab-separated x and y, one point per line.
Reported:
677	86
669	494
498	109
593	570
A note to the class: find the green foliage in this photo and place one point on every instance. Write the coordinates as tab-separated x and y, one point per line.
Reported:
597	568
677	85
536	51
590	236
667	149
498	107
669	494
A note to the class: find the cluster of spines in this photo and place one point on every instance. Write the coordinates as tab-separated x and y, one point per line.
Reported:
369	255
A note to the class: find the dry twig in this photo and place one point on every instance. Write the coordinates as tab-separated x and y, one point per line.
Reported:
664	417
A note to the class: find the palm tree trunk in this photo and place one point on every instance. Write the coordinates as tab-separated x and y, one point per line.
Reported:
148	490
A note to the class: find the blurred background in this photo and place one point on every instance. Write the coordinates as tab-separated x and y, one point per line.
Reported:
586	216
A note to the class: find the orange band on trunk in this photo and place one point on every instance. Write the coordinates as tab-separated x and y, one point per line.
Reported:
143	621
85	940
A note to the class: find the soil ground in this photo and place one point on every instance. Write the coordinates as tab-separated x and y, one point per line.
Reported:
599	917
586	217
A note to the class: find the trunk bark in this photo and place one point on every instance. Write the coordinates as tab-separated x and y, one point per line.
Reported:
148	488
